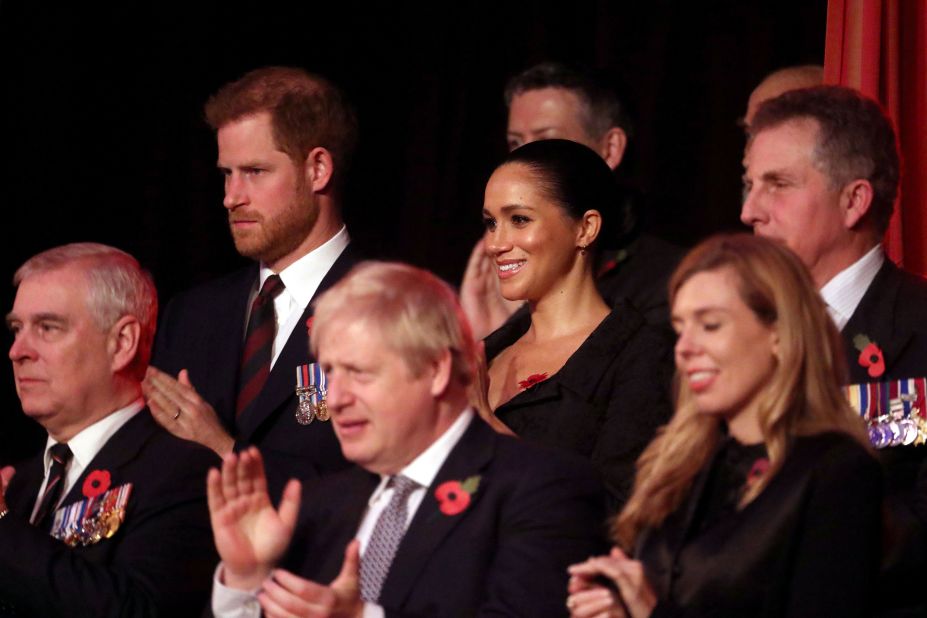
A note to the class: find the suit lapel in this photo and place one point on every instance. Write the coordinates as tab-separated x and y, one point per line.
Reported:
280	387
123	446
430	527
876	318
23	491
226	343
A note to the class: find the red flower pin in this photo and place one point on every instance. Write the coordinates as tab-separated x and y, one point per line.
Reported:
757	470
531	380
870	356
96	483
309	325
454	496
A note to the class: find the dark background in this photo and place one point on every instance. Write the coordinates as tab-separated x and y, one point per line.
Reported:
104	139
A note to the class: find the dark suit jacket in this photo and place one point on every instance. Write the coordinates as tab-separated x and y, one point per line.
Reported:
808	545
202	330
535	513
641	274
159	562
893	314
605	403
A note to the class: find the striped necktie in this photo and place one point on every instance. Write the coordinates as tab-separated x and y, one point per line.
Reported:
60	455
259	342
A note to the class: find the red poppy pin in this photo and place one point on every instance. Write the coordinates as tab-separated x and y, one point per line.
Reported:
757	470
454	496
309	325
531	380
96	483
870	356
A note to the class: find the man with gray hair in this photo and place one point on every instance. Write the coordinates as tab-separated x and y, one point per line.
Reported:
110	519
439	516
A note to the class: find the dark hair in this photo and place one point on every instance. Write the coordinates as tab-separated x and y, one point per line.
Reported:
573	176
306	111
604	108
855	140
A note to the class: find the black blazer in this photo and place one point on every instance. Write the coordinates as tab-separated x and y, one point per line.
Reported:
605	403
202	330
893	314
808	545
159	562
535	513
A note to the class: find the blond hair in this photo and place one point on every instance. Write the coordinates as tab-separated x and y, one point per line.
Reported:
803	397
416	314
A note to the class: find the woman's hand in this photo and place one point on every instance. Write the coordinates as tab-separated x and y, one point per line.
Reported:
636	598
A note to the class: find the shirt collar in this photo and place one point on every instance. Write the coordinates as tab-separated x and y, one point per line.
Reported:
89	441
844	292
424	468
302	277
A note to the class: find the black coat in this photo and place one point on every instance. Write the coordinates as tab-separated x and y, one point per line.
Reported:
534	513
202	330
605	403
160	561
808	545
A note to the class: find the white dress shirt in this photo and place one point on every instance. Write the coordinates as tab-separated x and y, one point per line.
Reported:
85	446
232	603
844	292
301	280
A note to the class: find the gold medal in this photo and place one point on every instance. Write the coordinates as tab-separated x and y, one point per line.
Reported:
321	411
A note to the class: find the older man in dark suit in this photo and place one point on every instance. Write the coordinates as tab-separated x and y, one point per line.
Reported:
110	519
440	516
228	351
821	175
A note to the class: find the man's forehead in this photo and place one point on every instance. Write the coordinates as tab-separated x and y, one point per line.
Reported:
51	291
546	104
786	141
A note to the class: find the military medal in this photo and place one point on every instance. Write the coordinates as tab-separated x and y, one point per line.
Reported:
311	388
92	519
894	411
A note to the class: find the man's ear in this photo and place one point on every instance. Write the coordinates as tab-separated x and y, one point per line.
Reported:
123	342
855	201
612	146
441	373
319	168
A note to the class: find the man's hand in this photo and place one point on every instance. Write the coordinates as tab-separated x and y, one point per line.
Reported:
177	406
250	534
287	594
6	474
636	598
480	298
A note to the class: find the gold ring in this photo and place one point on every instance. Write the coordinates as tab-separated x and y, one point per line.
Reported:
176	416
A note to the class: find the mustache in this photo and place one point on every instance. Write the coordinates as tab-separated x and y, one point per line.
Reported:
245	215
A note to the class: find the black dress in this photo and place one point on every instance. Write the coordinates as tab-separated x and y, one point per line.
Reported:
607	400
808	545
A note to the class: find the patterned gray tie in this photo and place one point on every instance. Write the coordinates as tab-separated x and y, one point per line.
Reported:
385	538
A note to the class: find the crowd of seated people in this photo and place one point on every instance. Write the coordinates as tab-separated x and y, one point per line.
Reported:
319	434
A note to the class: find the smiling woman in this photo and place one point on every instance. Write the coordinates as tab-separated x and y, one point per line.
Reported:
567	371
764	467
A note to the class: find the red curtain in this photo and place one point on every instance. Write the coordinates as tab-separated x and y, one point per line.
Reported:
880	48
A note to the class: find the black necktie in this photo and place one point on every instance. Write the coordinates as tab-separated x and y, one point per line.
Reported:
61	455
259	342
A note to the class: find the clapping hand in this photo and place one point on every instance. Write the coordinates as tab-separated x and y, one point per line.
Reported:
250	534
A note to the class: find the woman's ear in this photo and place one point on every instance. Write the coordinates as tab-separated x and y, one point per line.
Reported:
589	227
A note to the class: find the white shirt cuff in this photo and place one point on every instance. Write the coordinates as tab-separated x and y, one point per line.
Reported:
372	610
233	603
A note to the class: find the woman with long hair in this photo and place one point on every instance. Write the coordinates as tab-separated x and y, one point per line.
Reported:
568	370
761	496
